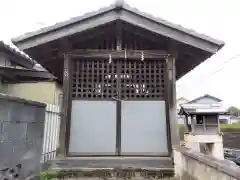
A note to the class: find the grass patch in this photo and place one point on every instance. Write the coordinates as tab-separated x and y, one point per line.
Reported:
230	126
49	174
102	174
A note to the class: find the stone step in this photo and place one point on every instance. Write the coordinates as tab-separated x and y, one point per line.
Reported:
114	162
120	167
114	173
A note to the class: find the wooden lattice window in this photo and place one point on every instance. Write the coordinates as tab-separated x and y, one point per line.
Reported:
142	79
94	79
118	79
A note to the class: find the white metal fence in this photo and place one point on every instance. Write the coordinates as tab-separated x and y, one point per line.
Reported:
51	132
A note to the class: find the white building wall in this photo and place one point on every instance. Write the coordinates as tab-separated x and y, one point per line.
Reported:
193	142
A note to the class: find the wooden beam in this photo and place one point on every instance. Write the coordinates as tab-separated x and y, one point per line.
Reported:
130	54
13	72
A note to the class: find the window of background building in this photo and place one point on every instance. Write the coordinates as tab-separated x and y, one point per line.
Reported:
199	119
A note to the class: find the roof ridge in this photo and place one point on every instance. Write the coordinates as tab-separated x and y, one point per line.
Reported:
63	23
174	25
203	96
119	4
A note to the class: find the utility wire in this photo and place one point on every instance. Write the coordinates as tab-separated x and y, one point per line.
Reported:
221	69
225	62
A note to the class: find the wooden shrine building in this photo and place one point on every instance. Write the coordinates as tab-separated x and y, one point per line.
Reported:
118	67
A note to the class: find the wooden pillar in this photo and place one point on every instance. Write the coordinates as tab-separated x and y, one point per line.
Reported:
218	124
66	107
186	124
175	140
193	123
204	124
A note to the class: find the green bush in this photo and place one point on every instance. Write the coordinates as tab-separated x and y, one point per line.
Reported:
49	174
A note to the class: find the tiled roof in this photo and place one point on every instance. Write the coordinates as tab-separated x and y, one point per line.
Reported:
8	49
205	96
192	111
118	5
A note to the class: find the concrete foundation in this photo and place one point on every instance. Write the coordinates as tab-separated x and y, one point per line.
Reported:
213	144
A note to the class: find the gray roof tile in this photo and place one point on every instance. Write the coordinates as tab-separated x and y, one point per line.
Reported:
9	49
118	5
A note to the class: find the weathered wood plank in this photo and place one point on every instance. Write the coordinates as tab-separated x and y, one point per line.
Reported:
66	106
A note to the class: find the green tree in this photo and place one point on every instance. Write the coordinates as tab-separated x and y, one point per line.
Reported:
234	111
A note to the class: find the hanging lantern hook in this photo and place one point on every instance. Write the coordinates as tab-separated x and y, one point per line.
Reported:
142	56
110	58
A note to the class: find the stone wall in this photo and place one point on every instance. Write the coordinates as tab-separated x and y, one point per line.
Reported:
202	167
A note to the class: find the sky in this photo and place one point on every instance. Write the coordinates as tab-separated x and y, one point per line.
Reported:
217	76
